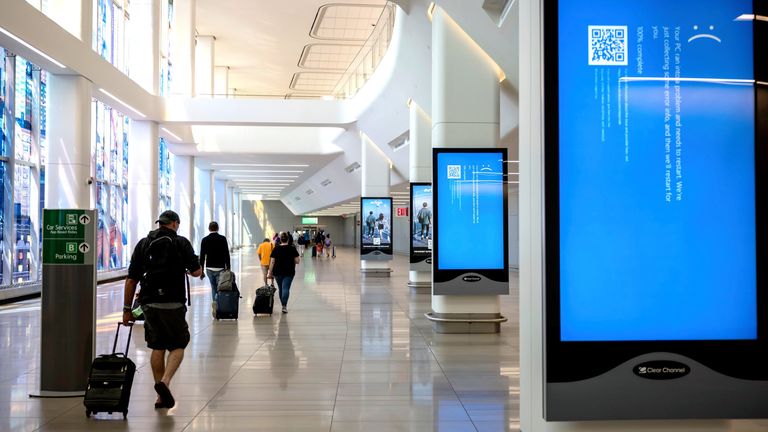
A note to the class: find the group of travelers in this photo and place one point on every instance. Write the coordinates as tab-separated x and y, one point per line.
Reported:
160	264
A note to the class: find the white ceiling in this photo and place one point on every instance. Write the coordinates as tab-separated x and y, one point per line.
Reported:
264	41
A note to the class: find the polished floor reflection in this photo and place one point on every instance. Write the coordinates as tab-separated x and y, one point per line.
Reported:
352	354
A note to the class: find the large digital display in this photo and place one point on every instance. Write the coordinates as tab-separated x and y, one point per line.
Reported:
421	221
376	227
655	152
470	196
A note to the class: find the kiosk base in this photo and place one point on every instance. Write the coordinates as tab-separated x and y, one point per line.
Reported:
376	272
465	323
420	286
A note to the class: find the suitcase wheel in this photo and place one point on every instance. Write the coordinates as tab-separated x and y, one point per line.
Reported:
88	413
125	414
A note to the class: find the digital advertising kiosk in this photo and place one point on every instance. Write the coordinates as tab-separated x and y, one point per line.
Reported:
421	226
655	162
470	217
376	228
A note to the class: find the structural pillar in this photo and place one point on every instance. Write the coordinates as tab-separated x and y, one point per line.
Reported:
69	181
420	148
143	180
183	46
465	113
74	16
376	171
221	81
145	45
204	71
214	198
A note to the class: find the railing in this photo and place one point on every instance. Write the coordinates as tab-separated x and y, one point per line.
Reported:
368	58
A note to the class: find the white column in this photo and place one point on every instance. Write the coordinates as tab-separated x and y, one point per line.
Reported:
213	197
376	172
221	81
204	72
183	48
183	194
231	211
69	143
74	16
143	174
465	113
144	45
420	149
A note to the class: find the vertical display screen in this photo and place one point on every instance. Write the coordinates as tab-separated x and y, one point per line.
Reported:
376	229
656	164
470	203
421	219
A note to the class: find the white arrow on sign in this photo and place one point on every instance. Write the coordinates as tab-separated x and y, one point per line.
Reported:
85	219
84	247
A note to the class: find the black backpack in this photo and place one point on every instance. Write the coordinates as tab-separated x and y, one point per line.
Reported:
162	261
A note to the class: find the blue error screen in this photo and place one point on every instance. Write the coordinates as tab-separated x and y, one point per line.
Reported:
656	170
470	211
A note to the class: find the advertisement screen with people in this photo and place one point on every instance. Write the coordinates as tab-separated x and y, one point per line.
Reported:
376	226
421	221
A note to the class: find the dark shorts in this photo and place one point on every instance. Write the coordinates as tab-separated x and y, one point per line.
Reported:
166	329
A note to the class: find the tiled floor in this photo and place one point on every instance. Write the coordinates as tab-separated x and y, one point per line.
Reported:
352	354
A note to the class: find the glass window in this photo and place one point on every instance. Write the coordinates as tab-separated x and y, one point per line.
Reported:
43	122
112	22
23	98
111	167
21	213
2	215
165	177
5	111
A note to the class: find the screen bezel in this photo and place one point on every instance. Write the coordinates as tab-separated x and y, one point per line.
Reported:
421	253
444	275
573	361
386	249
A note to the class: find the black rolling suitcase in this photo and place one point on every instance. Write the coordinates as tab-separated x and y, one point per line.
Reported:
227	304
265	300
110	381
314	251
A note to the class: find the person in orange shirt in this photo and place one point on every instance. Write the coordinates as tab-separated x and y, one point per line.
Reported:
265	252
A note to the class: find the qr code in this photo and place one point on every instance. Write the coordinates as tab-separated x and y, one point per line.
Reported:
454	171
607	45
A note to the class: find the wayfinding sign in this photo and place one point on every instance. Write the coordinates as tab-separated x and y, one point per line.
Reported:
68	301
66	237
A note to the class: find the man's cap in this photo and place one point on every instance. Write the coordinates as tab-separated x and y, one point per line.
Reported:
167	217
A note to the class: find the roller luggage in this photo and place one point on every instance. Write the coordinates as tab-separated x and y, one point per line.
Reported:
227	304
110	381
314	251
265	300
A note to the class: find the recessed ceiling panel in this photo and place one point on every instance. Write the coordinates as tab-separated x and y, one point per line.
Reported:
352	22
328	56
316	82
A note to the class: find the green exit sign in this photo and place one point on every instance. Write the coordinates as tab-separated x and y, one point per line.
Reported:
309	220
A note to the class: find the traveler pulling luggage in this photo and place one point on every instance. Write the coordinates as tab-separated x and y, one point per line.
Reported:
227	297
110	381
265	299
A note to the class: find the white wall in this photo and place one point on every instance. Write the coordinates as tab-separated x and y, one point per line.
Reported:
220	200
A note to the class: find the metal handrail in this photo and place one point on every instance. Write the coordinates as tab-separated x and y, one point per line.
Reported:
370	55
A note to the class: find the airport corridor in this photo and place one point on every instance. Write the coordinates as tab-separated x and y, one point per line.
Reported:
352	354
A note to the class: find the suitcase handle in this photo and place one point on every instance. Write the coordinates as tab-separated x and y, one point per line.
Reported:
117	334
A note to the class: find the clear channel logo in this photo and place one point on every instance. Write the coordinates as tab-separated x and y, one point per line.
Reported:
661	370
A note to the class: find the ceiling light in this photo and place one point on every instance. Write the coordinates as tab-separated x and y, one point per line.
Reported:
171	134
260	165
37	51
260	176
431	10
121	101
260	171
253	180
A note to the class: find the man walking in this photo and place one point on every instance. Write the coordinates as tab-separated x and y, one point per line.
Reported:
425	220
264	252
214	251
370	221
159	262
